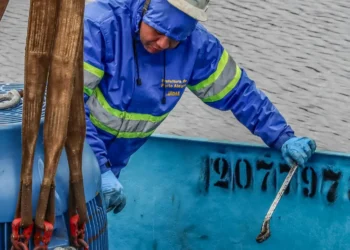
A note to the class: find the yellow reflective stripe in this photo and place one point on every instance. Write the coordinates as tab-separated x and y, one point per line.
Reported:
134	135
227	89
88	91
119	134
93	70
125	115
213	77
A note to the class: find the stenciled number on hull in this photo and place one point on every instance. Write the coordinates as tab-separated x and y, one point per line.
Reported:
226	173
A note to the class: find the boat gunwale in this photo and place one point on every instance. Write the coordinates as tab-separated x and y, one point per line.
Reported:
253	145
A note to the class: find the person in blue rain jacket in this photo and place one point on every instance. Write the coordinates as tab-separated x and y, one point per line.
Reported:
139	57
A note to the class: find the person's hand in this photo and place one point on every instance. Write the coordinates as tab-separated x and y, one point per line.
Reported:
113	192
298	150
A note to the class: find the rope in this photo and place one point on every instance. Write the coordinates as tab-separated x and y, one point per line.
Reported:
10	99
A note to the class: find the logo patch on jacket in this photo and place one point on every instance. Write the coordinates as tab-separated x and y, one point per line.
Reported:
174	87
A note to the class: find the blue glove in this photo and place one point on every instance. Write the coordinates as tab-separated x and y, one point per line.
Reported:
113	192
298	150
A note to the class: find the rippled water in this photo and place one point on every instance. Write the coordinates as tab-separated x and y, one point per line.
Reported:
298	52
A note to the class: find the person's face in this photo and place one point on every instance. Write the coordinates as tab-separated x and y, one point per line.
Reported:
154	41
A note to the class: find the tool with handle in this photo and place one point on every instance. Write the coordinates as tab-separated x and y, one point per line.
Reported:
265	229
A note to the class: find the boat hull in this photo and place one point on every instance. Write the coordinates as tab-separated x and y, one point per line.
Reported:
185	193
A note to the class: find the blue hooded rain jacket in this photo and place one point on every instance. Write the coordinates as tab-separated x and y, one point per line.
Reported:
129	92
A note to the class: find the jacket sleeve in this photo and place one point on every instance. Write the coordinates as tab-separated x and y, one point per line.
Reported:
222	84
93	73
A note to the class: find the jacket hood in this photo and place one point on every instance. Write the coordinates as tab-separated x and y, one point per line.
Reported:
165	18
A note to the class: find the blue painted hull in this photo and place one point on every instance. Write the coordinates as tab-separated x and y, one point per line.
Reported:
197	194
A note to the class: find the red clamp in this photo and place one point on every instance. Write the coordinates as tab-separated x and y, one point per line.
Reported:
45	238
20	241
78	233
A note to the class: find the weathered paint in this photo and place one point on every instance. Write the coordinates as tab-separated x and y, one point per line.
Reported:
198	194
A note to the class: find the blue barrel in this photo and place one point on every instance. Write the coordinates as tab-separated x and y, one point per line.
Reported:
10	170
